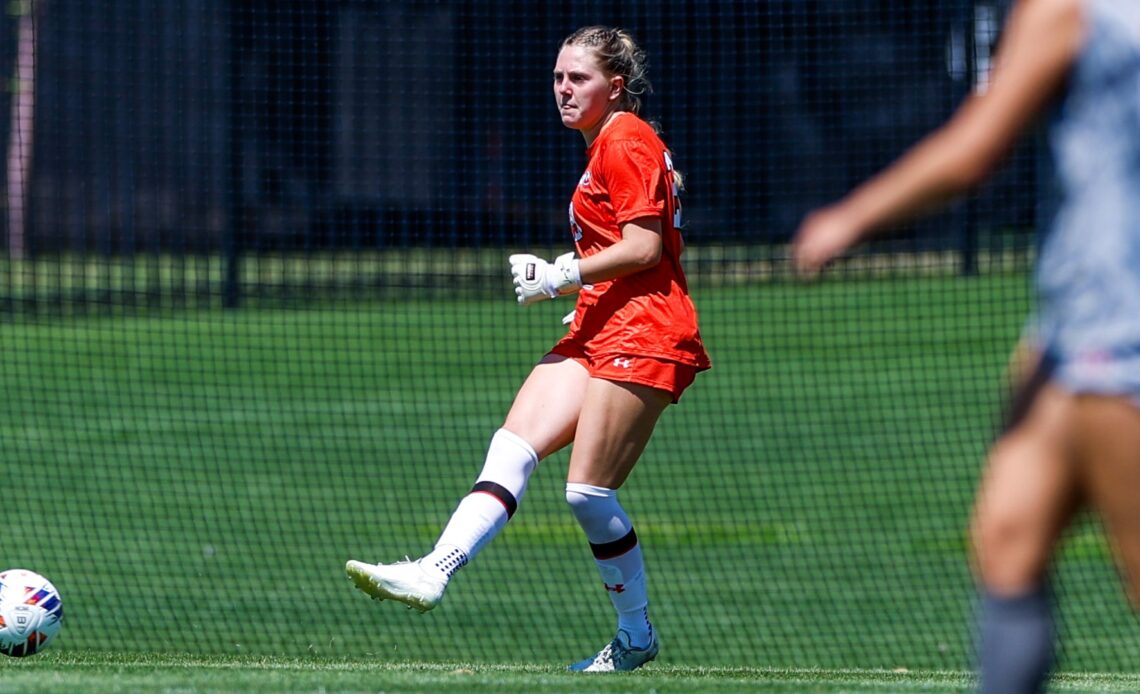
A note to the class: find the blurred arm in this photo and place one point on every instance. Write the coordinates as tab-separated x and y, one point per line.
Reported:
1040	45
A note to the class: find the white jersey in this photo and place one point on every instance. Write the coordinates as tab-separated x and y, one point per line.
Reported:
1088	274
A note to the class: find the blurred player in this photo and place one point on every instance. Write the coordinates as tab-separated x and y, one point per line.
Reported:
632	349
1076	438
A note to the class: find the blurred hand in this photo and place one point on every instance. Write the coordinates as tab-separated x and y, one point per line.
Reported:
823	236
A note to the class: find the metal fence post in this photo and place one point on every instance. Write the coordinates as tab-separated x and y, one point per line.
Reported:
235	203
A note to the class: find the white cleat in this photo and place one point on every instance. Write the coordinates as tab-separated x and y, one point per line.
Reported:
618	656
404	581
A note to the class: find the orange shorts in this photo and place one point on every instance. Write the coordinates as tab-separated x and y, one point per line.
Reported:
670	376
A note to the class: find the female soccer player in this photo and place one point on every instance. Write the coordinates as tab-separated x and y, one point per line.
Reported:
632	348
1078	439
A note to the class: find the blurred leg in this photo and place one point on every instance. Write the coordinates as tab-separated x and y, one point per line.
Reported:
1028	494
1108	444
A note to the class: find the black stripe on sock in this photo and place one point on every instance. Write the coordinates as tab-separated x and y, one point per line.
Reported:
609	550
499	492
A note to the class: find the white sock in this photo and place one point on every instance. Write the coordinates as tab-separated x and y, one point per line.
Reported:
636	623
617	554
486	509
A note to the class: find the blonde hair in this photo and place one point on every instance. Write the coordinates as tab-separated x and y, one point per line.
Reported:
617	54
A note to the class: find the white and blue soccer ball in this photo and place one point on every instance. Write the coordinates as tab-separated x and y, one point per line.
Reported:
31	612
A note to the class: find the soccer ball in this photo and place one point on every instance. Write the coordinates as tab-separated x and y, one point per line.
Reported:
31	612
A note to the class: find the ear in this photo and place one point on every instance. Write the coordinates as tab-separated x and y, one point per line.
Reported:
617	86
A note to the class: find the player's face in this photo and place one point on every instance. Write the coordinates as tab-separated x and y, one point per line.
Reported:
583	93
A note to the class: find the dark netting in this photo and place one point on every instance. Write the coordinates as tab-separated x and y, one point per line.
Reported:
256	319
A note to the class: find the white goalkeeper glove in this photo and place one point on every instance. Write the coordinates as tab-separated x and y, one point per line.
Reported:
537	280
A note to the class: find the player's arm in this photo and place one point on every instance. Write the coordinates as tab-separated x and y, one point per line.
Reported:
537	280
639	249
1041	42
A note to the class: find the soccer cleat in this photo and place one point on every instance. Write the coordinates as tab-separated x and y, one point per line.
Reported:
404	581
618	656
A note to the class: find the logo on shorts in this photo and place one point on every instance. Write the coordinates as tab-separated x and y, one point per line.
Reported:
623	362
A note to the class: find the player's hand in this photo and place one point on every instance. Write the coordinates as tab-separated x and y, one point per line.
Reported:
823	236
537	280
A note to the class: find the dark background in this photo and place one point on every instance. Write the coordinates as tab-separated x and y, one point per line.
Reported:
202	125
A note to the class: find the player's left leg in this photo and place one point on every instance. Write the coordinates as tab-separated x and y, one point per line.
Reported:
615	425
1027	496
541	420
1108	447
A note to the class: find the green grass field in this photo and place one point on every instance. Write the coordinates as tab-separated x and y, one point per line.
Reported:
118	673
194	481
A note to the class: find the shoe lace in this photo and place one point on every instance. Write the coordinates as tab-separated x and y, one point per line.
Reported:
609	654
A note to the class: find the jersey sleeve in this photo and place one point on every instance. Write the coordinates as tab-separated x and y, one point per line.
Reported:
635	180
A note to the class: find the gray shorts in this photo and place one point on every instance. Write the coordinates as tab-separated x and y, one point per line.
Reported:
1100	373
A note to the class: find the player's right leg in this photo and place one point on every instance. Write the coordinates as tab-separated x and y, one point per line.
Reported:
541	421
615	427
1108	447
1028	494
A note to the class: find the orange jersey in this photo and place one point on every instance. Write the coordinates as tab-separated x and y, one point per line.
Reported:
629	176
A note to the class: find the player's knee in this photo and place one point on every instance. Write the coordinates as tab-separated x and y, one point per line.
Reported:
1010	533
587	501
997	527
597	510
1010	553
510	461
577	501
